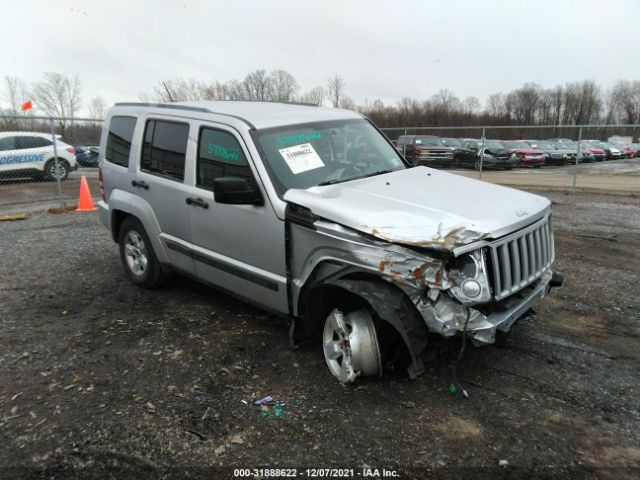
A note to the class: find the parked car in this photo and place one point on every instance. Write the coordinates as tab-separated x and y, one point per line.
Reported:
355	248
569	151
635	147
598	153
451	142
31	154
553	155
427	150
495	155
86	156
610	150
527	156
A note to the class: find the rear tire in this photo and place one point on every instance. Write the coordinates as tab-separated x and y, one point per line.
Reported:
137	255
62	171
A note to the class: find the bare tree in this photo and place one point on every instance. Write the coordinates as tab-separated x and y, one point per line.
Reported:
58	95
495	105
257	85
347	103
471	105
283	85
97	108
14	94
316	95
335	89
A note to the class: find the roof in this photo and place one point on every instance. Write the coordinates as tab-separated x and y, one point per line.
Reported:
263	114
30	134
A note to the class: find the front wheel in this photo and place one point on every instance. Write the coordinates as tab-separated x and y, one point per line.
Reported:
59	171
350	345
137	255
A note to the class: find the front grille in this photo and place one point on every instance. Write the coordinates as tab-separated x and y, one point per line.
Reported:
521	258
435	154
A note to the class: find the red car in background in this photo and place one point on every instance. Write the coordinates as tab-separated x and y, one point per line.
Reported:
599	153
527	156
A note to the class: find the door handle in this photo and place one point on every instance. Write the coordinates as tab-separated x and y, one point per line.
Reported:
140	184
196	202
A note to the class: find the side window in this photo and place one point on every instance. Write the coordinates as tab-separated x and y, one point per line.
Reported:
119	140
31	142
7	143
164	148
219	155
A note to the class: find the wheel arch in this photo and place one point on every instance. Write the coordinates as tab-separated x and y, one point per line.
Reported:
390	304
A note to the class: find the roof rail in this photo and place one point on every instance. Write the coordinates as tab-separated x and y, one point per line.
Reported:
176	106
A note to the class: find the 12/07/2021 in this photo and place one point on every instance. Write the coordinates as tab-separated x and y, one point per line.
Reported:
373	473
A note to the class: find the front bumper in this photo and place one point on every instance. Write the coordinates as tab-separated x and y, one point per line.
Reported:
448	317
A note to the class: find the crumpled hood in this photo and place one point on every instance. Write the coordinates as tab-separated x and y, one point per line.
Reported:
423	207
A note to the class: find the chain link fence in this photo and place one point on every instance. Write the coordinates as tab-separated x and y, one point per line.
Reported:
591	157
42	161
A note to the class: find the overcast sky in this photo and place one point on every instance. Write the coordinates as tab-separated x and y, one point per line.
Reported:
383	49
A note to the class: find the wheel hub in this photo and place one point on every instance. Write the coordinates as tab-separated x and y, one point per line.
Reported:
351	346
135	253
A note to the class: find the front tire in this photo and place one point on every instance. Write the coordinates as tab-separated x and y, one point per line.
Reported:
138	258
53	172
350	345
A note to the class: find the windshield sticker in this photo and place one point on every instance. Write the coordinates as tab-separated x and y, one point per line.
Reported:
298	138
223	152
21	159
418	142
301	158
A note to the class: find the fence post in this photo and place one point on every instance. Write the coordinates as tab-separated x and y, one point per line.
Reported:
484	140
575	168
404	144
57	165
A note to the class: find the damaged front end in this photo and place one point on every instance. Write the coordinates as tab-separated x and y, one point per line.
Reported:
457	280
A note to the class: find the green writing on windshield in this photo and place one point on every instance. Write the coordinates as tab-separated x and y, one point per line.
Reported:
219	151
298	138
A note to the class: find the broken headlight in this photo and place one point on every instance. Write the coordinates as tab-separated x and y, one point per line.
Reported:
468	273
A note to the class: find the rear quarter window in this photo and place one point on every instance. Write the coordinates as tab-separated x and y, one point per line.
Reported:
119	140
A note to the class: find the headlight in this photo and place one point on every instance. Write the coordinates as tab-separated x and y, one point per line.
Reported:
468	274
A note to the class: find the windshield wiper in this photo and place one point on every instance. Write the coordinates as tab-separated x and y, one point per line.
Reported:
341	180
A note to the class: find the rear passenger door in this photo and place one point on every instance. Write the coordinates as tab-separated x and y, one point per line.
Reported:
239	248
160	182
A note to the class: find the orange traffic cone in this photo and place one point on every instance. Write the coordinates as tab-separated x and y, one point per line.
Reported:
85	203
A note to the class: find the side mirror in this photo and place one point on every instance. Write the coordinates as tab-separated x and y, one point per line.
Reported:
236	191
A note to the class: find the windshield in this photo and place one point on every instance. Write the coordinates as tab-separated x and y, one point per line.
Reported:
519	145
302	156
451	142
494	144
429	141
542	145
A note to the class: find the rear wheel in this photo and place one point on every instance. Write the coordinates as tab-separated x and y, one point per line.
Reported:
53	171
350	345
137	255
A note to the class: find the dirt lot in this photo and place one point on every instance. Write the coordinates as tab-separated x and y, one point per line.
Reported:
99	379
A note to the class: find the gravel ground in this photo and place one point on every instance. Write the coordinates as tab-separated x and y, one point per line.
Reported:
99	379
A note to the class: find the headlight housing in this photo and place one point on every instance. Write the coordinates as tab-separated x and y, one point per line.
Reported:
468	273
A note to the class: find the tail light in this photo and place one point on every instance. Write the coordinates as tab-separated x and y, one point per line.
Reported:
70	150
101	182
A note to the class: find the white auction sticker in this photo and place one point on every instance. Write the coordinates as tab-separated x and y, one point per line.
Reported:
301	158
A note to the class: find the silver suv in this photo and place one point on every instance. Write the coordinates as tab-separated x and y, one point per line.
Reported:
311	213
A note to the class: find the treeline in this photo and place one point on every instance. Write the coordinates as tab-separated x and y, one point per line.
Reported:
575	103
